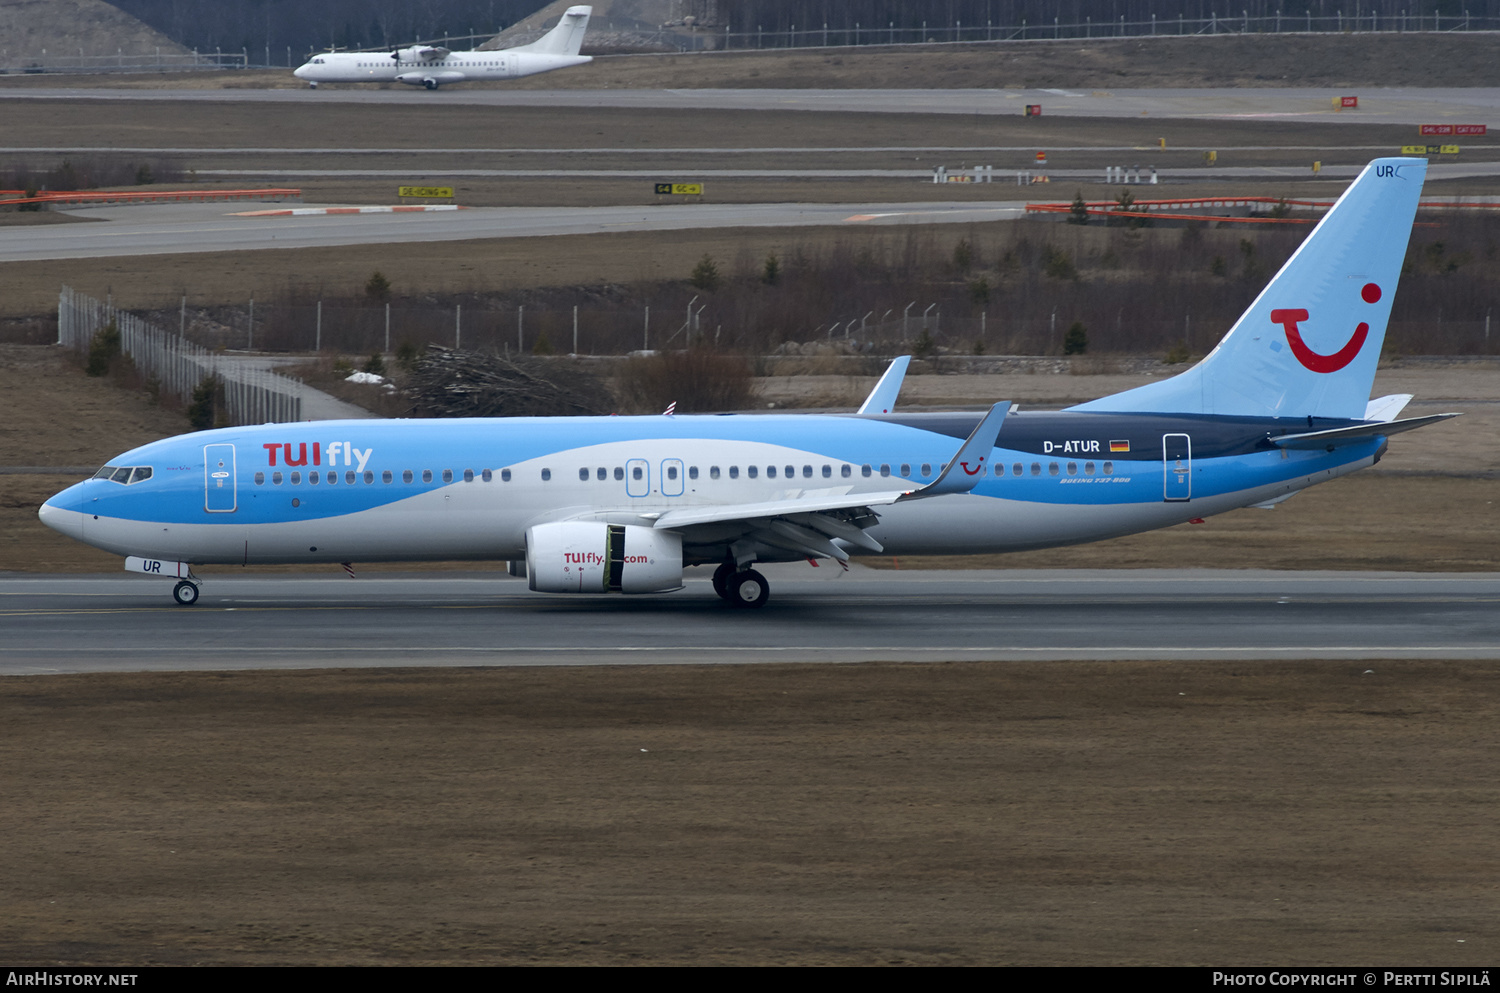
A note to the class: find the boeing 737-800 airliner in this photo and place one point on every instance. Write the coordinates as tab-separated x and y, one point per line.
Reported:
623	504
432	66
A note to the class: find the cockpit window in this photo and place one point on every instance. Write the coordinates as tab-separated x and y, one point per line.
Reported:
126	474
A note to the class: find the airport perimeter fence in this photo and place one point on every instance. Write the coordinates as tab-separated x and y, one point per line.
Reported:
81	64
934	33
736	37
358	332
178	367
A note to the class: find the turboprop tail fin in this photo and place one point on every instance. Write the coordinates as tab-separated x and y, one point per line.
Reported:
1309	344
566	38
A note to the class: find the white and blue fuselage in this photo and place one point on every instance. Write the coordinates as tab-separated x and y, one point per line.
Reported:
340	491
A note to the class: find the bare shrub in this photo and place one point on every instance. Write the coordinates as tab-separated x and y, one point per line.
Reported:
451	383
698	380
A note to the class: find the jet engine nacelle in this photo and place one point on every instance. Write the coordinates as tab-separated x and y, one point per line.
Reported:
590	557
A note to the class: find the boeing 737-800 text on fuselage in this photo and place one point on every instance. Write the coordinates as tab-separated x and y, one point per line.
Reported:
430	66
624	504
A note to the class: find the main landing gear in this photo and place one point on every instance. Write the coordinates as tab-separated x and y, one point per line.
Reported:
185	593
741	588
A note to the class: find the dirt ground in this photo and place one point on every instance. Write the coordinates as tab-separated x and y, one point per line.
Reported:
963	814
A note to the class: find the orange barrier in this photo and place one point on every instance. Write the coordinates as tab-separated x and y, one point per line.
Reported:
77	197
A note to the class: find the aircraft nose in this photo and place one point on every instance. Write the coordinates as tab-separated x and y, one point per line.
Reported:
300	72
62	514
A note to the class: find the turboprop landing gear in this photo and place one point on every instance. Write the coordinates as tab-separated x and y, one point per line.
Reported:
185	593
431	84
748	589
313	85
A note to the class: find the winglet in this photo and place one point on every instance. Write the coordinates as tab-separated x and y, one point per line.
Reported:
882	399
970	460
1387	408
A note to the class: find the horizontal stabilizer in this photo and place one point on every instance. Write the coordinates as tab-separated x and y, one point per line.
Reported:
1334	437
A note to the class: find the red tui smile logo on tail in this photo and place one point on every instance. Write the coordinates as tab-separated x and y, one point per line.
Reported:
1288	319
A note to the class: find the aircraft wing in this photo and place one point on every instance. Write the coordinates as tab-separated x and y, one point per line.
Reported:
809	525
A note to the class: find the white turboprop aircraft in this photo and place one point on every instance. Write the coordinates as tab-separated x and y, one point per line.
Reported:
432	66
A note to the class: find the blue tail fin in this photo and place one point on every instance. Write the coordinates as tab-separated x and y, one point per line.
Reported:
1309	344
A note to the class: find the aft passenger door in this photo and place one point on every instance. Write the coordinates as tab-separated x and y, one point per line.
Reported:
1176	467
219	496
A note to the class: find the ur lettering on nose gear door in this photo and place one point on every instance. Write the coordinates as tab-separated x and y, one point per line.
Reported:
218	479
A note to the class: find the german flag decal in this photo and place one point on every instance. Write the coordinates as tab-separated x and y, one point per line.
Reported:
1119	446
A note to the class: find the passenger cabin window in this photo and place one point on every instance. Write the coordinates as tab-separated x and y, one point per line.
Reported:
487	476
546	475
619	473
734	472
468	475
583	475
260	478
713	472
447	475
692	472
386	477
750	471
406	475
504	475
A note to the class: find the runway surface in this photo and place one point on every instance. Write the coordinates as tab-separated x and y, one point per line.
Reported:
1396	105
177	228
60	624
